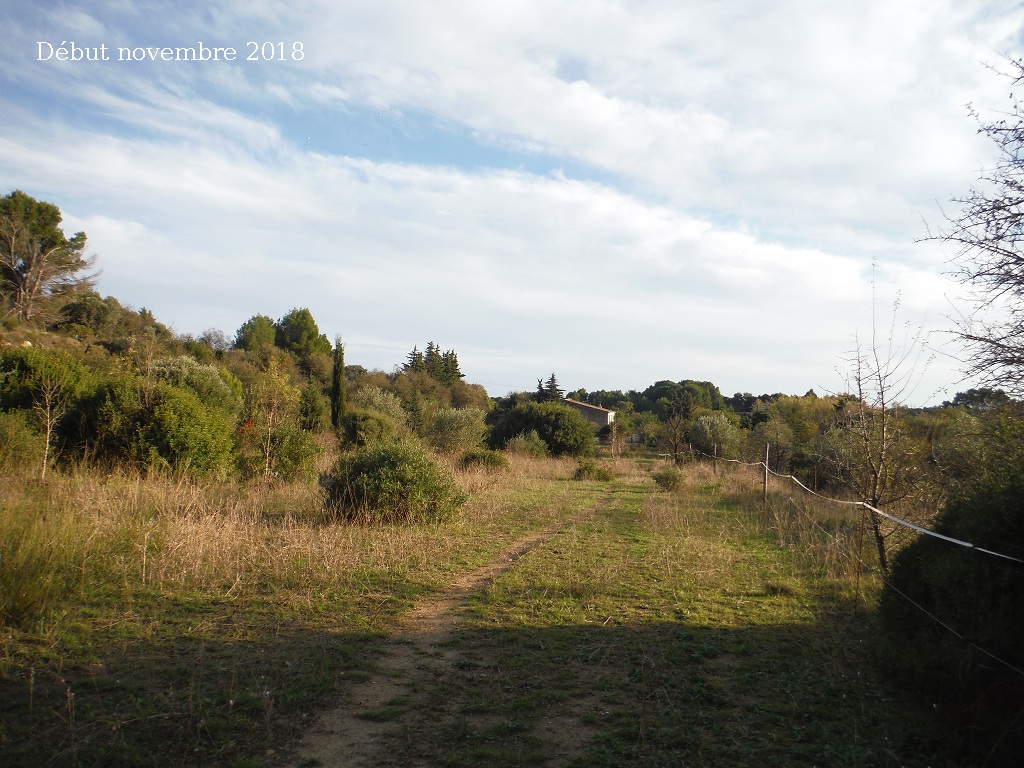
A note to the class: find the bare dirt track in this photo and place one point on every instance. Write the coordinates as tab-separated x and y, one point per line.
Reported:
355	731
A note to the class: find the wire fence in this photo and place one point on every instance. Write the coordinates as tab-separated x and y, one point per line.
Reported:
895	519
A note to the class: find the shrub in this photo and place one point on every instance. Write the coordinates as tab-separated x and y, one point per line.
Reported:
527	444
668	479
392	483
361	428
294	453
484	458
978	596
562	428
589	470
455	430
376	399
180	431
214	387
314	408
20	445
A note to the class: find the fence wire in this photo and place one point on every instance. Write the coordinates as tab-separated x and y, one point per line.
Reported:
900	521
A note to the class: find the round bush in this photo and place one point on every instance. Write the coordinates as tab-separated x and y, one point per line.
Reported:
484	458
392	483
588	470
668	479
364	427
527	444
456	429
564	431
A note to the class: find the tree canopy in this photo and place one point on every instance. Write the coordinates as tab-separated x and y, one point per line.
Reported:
36	258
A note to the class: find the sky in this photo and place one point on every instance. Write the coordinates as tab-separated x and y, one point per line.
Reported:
616	192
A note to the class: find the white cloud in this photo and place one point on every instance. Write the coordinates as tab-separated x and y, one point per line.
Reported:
747	163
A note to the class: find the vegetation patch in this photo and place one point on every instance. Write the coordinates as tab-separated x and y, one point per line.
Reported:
668	479
393	483
483	458
588	469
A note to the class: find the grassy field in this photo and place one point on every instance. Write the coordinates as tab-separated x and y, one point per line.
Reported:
165	623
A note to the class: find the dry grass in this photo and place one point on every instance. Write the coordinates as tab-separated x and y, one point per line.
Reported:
171	533
116	571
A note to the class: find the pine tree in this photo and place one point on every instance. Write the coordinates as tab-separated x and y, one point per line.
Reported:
549	390
448	371
414	361
416	414
432	359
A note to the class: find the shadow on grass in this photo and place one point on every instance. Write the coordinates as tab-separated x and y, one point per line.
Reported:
665	693
176	699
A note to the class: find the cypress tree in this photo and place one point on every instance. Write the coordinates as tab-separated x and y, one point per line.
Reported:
339	390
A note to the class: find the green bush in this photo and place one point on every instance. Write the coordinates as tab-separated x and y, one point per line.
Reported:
668	479
314	408
980	597
485	459
20	444
215	387
179	431
562	428
455	430
378	400
589	470
392	483
361	428
294	453
527	444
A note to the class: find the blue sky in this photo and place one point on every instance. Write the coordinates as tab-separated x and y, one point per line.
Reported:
619	192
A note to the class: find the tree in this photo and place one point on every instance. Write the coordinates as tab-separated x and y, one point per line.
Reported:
714	435
673	435
298	333
36	258
562	428
989	237
549	391
273	401
339	390
414	361
873	454
256	333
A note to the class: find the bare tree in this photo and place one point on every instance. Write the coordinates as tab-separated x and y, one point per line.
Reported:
872	452
673	435
50	401
989	237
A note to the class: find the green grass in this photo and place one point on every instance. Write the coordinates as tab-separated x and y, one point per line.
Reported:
200	625
665	631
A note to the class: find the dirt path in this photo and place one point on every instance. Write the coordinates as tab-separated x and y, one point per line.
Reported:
418	650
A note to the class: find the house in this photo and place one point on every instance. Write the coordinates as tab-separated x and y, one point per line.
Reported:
601	418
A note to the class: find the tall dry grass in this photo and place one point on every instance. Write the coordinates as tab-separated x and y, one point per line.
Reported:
825	538
84	535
